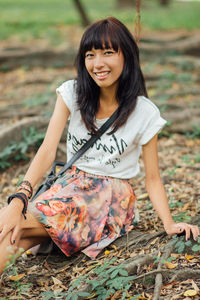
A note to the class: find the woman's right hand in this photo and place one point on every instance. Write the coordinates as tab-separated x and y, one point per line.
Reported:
10	220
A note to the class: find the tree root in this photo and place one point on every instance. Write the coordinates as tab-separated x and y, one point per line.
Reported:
185	274
159	280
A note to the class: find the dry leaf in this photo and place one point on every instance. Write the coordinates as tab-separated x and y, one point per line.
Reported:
188	257
194	285
186	206
56	281
15	180
190	293
116	295
175	255
170	265
143	196
17	277
113	247
154	241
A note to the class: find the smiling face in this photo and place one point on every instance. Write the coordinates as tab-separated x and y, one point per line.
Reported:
104	66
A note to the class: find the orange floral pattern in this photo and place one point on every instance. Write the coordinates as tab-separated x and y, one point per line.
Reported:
86	212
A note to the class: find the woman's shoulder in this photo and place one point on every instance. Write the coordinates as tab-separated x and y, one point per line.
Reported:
68	92
145	104
67	86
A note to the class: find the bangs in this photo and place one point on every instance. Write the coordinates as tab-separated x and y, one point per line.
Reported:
102	37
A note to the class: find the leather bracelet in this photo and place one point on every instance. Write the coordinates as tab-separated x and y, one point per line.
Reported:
23	198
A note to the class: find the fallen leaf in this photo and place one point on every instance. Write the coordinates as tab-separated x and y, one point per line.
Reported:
175	255
56	281
17	277
143	196
154	241
194	285
186	206
113	247
170	265
190	293
188	257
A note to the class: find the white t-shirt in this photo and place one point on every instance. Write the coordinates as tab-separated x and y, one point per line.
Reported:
115	155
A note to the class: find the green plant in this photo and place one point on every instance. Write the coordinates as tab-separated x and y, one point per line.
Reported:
53	295
20	288
110	279
187	159
18	150
182	217
172	171
197	158
38	99
174	203
180	244
195	134
160	259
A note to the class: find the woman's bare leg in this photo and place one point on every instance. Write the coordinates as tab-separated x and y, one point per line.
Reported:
32	233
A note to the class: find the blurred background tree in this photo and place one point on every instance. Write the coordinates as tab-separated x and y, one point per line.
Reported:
164	2
82	12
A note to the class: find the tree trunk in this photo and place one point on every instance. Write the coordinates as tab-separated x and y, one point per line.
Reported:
164	2
82	12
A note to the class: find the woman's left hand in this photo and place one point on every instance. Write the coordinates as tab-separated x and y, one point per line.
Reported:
178	228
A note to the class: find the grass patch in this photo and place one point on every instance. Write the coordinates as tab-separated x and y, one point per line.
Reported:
45	18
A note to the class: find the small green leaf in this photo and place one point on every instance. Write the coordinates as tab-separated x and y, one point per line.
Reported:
188	243
181	248
75	297
114	274
123	272
196	248
83	294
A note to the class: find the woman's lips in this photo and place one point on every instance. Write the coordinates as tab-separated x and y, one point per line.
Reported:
101	75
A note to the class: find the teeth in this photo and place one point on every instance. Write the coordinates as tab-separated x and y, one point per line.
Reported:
101	74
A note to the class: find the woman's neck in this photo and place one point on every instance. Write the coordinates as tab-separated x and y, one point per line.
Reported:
108	96
108	104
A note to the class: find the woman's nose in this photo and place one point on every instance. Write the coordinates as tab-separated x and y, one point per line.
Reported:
98	61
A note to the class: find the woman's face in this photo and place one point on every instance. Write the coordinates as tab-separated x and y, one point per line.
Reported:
104	66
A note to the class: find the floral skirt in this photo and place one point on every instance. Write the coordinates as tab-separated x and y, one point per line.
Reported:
86	212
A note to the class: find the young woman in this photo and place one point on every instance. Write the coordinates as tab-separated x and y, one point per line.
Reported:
93	203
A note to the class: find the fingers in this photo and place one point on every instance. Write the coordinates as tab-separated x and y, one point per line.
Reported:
195	232
15	234
188	230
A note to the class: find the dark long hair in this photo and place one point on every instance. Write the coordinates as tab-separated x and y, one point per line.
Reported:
107	33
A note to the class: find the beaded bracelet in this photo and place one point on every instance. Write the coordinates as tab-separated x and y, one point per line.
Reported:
25	185
25	188
23	198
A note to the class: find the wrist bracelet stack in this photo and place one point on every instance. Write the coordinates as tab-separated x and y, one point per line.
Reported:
25	185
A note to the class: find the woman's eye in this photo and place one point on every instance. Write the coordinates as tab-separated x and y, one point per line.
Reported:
88	55
108	52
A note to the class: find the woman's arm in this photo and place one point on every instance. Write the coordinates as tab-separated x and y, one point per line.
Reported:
157	192
40	164
47	151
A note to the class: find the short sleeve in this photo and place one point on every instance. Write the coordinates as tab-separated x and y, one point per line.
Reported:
152	124
67	91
